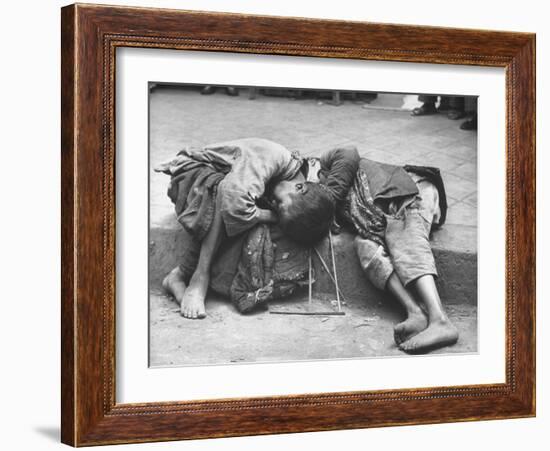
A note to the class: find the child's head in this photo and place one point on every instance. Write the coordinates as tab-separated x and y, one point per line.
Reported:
305	209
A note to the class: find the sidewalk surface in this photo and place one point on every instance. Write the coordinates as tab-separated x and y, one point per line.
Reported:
183	117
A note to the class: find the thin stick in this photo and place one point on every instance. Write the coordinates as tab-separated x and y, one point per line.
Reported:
328	272
282	312
334	269
310	283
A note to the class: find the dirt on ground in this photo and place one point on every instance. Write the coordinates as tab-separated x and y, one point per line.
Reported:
225	336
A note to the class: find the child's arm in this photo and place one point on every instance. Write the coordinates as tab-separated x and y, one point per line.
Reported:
266	216
240	212
339	167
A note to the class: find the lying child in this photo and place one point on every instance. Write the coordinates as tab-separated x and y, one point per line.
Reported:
250	167
392	209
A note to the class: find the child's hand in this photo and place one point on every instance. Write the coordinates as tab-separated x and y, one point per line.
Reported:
267	216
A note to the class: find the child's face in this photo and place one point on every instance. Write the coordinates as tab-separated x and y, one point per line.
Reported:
285	192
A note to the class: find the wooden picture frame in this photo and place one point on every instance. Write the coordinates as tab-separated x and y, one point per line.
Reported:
90	36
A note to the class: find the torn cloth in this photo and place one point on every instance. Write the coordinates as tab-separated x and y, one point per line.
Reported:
380	190
192	190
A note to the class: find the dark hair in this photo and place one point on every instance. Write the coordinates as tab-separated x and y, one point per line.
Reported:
309	217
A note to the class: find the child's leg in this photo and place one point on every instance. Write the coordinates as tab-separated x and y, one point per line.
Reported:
379	270
440	332
175	282
407	236
192	304
416	321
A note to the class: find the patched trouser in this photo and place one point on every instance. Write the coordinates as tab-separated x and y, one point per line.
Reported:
407	251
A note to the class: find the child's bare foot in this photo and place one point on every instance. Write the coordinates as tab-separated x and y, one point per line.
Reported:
173	283
412	326
438	334
192	304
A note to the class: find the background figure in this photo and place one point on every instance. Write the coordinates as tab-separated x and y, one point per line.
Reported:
470	108
455	107
210	89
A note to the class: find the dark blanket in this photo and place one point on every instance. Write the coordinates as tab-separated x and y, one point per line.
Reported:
270	267
433	175
388	182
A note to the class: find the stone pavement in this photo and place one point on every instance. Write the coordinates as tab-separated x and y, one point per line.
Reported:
183	117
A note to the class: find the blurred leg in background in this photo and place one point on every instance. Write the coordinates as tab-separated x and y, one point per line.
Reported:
471	111
210	89
427	107
455	107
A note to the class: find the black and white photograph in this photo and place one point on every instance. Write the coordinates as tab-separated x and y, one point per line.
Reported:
275	225
298	224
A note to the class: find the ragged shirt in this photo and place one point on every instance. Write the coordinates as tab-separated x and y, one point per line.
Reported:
250	163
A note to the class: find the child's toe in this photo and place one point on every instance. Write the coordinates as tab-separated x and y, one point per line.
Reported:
407	346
